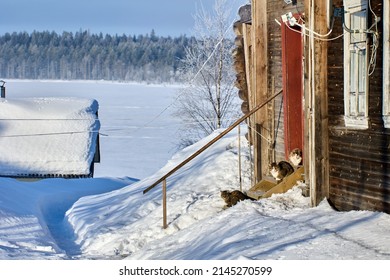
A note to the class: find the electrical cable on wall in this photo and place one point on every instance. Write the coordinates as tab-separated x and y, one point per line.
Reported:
291	21
372	30
277	127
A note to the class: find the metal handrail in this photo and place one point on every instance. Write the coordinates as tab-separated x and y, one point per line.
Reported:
201	150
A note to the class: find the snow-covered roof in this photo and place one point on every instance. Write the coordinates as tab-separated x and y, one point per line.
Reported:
47	136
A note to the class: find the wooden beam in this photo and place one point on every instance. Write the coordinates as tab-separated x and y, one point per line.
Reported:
316	103
386	64
164	202
247	62
260	84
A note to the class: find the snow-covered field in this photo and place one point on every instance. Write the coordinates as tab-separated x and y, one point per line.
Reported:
109	217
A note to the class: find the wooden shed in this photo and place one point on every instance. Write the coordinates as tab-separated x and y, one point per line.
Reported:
332	61
48	137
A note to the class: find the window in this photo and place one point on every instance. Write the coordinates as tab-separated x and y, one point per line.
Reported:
386	64
355	64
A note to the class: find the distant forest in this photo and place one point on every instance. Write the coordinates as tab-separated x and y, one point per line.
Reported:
85	56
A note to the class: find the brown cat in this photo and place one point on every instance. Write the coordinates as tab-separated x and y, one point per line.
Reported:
280	170
296	157
232	198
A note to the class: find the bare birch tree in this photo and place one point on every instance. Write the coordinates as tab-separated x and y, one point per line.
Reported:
209	100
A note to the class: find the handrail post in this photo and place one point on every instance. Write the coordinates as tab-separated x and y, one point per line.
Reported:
239	156
164	195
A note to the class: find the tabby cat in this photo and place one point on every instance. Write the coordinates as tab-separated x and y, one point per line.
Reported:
280	170
232	198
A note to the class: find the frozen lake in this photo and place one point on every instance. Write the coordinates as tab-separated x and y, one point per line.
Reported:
137	130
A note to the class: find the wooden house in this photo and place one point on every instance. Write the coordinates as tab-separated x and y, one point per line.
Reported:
48	137
331	60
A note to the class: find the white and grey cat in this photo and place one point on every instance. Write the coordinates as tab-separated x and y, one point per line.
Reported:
295	157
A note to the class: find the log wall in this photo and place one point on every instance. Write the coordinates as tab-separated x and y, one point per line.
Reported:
359	159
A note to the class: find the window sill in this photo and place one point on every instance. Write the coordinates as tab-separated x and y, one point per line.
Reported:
386	121
357	122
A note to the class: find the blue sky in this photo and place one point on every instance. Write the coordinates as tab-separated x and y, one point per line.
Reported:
166	17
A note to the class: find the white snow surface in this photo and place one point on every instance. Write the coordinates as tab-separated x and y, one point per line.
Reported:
109	217
47	136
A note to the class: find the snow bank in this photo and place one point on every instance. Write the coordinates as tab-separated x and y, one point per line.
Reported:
32	224
131	219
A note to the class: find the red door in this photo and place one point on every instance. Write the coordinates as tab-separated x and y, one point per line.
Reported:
292	64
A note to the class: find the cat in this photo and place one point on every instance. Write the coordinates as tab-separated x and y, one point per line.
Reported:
233	197
296	157
280	170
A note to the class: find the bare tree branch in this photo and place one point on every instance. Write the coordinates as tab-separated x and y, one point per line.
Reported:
210	100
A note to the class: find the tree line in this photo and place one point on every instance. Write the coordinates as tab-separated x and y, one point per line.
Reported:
85	56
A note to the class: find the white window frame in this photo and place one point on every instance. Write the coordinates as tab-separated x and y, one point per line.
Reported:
386	64
355	65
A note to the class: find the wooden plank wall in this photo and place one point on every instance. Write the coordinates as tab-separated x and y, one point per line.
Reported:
275	77
275	9
316	151
274	128
359	159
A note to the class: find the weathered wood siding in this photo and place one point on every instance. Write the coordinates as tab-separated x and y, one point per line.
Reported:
275	76
359	159
276	9
274	128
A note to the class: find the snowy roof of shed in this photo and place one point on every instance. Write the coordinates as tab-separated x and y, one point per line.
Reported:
47	136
